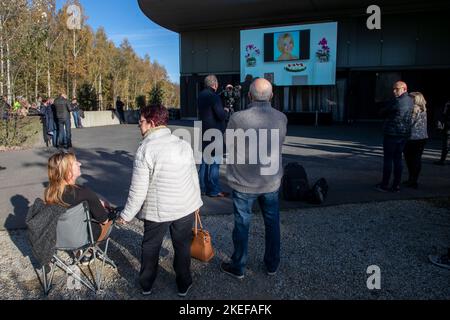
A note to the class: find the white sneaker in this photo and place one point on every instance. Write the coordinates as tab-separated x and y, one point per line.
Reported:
184	293
147	293
440	260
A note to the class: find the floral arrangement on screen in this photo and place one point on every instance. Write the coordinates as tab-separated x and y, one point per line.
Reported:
324	52
251	53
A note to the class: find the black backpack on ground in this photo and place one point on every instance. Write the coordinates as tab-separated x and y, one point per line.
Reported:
295	183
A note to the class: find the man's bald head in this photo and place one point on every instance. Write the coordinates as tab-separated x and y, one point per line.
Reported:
261	90
400	88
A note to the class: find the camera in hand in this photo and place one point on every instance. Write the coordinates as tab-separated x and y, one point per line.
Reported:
232	96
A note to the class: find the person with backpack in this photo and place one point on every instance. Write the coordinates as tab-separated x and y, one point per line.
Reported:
253	182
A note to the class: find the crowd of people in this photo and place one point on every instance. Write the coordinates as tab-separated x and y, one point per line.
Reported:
55	116
166	188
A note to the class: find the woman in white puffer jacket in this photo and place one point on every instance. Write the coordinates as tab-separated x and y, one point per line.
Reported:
165	192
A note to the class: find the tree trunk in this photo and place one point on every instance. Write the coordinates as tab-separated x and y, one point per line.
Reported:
2	66
74	88
67	81
115	90
127	91
36	81
8	73
135	94
74	80
49	82
26	87
100	93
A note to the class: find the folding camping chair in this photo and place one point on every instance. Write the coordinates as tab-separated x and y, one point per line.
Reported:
74	233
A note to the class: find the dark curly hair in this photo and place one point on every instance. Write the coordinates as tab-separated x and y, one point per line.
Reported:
156	113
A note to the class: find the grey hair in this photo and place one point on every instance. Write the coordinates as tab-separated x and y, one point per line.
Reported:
263	93
211	81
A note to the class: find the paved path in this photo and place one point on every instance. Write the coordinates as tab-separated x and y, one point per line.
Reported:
325	250
350	157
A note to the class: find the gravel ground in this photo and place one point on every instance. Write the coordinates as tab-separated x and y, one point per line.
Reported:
325	254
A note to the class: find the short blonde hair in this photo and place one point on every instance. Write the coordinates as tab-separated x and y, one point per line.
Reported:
419	102
281	39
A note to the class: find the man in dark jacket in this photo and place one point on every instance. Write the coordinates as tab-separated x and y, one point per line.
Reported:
62	109
120	110
397	129
213	115
445	127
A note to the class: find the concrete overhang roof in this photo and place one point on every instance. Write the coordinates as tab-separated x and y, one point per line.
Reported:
190	15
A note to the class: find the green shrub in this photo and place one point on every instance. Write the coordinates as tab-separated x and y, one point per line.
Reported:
20	131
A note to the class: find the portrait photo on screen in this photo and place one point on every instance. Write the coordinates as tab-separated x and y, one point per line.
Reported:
286	46
290	55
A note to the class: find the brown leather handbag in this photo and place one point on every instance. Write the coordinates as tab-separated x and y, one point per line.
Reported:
201	247
105	230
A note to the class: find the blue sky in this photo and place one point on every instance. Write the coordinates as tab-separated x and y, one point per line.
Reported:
124	19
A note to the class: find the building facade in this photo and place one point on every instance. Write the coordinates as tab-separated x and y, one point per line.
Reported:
413	45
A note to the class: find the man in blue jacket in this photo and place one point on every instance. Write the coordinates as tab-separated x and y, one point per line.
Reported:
397	129
212	114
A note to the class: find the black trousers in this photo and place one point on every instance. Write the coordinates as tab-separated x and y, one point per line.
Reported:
392	150
181	234
413	158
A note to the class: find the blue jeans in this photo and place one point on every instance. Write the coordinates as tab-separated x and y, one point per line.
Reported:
243	203
208	175
75	118
64	133
393	148
54	140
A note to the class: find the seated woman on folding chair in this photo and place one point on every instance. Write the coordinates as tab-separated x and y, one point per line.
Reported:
63	171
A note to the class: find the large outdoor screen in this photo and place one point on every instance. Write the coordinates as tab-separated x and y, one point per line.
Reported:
291	55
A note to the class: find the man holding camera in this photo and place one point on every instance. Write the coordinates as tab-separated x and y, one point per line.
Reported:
212	114
232	96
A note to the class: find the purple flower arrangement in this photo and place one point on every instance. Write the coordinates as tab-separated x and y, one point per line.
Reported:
251	53
324	52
